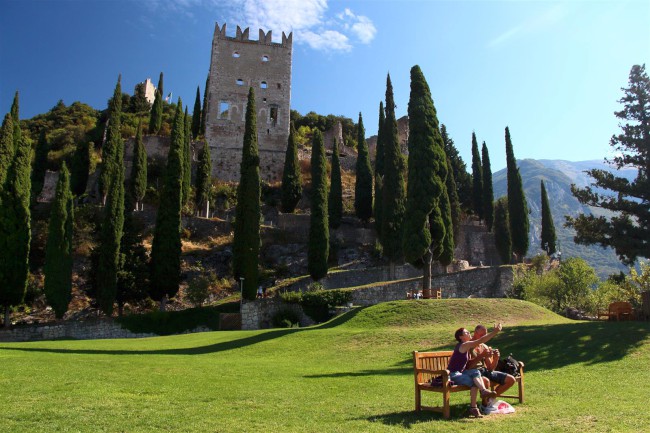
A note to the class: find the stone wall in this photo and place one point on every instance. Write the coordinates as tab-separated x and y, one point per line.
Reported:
88	330
485	282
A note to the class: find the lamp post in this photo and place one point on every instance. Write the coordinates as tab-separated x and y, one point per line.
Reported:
241	292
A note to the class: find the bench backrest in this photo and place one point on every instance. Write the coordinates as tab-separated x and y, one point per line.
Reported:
430	361
620	307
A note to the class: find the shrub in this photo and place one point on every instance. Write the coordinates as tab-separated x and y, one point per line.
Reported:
317	303
286	318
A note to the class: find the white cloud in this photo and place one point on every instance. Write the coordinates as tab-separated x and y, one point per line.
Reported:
307	19
328	40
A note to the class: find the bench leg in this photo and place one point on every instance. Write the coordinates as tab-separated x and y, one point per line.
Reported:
418	402
446	410
521	389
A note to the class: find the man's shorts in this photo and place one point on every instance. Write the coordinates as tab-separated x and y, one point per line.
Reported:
494	376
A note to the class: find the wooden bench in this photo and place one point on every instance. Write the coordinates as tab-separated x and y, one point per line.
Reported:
617	310
428	365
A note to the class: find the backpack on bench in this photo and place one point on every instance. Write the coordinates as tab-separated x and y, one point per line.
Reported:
509	366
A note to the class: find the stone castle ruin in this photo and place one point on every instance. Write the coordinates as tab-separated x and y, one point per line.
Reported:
236	64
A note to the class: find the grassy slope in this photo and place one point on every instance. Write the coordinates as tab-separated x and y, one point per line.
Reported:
352	374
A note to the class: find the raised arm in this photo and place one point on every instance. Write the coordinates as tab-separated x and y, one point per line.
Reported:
466	346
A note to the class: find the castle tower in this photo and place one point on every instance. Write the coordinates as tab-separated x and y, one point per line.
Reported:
238	63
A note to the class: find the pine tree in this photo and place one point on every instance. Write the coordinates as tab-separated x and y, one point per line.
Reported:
335	199
393	188
424	227
113	219
58	251
517	206
138	181
488	191
187	160
548	228
203	178
628	230
80	168
291	190
40	165
461	176
7	149
246	244
379	169
166	244
477	180
204	110
363	184
15	228
318	247
196	114
502	238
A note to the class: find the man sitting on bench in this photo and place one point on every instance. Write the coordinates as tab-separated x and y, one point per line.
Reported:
485	358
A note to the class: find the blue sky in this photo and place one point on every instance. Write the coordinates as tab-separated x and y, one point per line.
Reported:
551	71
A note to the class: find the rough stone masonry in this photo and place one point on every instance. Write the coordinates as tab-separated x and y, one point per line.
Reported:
238	63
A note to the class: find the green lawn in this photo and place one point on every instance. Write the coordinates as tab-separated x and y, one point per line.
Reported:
353	374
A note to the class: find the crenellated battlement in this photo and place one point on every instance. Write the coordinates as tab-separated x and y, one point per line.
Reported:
244	36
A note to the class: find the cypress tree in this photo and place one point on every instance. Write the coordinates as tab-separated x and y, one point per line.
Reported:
548	228
156	117
138	169
424	223
40	165
15	229
187	160
291	190
166	244
113	219
203	178
379	169
335	199
160	86
133	277
446	256
196	114
204	110
58	251
502	238
15	116
246	244
363	184
454	202
394	193
461	176
7	149
517	207
80	168
477	180
488	192
318	247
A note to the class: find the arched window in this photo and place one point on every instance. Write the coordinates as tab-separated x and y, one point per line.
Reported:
240	82
265	58
263	85
236	54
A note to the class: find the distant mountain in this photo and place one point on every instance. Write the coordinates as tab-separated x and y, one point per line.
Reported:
558	175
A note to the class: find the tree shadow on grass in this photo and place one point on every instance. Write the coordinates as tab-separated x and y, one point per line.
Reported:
408	419
201	350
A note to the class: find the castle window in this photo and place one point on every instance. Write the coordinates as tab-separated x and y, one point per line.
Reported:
223	109
264	100
236	54
265	58
240	82
273	115
279	86
263	85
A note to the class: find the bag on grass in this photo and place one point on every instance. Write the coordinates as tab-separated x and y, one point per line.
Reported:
498	406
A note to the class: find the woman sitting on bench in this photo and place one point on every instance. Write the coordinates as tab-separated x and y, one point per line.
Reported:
472	377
